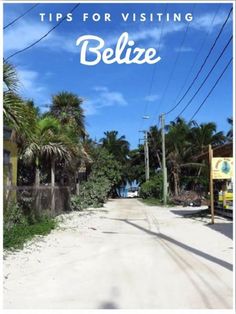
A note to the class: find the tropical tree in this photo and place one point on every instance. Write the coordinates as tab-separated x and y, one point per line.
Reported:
66	107
16	114
230	132
49	144
135	165
178	150
117	146
203	135
155	146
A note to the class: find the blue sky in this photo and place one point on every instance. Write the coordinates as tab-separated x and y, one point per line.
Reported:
116	97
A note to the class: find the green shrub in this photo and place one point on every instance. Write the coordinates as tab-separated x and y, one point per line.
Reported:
152	188
19	227
13	215
75	203
17	235
94	192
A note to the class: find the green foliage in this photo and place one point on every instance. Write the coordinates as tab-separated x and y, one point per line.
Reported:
152	188
75	203
105	174
94	192
67	108
15	237
13	215
18	227
105	166
117	146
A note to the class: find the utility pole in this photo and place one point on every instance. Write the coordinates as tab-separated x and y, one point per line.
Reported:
164	169
146	155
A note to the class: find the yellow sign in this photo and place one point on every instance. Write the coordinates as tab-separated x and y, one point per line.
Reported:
222	168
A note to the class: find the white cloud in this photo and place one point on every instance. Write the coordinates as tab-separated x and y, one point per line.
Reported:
152	97
26	33
103	98
30	88
151	35
23	34
209	21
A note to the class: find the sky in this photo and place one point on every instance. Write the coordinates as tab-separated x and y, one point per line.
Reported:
118	96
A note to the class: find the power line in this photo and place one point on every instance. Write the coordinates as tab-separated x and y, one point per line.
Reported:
206	78
41	38
22	15
214	86
174	66
204	62
197	54
154	68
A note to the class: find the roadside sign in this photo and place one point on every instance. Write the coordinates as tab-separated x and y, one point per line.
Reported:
222	167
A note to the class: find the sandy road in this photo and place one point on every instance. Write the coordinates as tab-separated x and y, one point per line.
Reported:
125	256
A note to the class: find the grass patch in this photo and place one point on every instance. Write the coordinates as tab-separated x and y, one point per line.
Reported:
154	202
17	235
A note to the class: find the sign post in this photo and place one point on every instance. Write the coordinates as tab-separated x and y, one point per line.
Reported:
211	185
221	168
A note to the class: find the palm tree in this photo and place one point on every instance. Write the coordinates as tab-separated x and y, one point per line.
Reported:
230	132
117	146
49	143
155	144
16	114
205	134
66	107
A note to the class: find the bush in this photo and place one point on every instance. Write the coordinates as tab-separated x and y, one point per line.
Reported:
18	227
94	192
75	203
13	215
17	235
152	188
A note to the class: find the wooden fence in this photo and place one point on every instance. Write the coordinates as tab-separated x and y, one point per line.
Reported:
42	199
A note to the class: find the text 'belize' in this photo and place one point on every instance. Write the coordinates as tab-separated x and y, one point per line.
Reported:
93	51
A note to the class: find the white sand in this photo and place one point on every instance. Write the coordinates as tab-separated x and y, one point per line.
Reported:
125	255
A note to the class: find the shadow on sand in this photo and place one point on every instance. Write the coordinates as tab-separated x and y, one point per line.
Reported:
160	235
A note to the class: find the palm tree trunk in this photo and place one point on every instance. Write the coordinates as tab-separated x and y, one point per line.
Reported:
53	185
37	173
53	172
36	190
159	160
176	182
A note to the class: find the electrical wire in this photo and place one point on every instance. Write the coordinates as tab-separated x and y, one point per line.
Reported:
174	66
197	54
44	36
203	64
214	86
154	67
19	17
206	78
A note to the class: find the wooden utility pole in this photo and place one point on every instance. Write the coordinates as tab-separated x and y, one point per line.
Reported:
211	185
164	169
146	155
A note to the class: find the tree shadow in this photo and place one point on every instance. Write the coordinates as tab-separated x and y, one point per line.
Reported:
192	213
186	247
224	228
